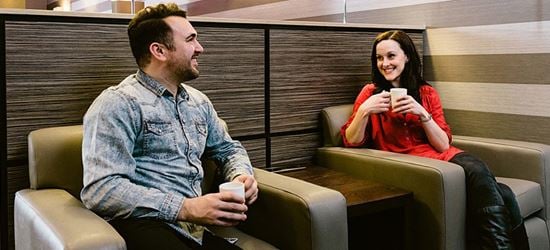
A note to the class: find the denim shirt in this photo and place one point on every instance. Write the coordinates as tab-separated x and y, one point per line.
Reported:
142	150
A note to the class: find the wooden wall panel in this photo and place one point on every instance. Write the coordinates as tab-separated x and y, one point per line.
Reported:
55	70
256	150
293	150
311	70
232	75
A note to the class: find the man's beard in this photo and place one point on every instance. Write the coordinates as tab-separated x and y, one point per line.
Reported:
184	74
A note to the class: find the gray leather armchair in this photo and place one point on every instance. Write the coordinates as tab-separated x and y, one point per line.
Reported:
437	216
289	213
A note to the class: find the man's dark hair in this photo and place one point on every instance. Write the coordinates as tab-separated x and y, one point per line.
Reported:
411	77
148	27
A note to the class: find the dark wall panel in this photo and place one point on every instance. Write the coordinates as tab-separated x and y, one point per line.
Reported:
311	70
232	75
55	70
293	150
256	152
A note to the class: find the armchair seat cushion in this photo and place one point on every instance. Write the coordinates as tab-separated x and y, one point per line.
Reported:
528	194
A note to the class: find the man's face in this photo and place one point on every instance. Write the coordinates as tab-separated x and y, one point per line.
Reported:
182	60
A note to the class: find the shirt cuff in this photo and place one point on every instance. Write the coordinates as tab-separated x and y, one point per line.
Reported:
171	207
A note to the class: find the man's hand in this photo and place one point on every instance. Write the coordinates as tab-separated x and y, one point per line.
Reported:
221	209
250	187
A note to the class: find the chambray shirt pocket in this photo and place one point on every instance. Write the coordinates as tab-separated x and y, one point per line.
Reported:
159	140
200	136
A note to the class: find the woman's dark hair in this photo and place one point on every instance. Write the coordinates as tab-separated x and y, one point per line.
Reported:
411	77
148	26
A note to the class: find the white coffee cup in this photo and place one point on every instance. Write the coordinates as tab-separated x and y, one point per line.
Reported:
233	187
395	93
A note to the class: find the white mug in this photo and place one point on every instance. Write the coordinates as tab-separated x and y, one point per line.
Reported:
233	187
395	93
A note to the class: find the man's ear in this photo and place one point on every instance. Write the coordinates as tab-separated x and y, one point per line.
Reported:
158	51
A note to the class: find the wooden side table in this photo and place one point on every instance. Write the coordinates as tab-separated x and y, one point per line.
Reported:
376	212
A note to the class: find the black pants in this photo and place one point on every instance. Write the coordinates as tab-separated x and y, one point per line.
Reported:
482	189
154	234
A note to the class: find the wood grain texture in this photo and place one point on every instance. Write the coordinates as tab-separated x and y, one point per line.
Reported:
232	76
501	126
55	70
292	150
256	150
311	70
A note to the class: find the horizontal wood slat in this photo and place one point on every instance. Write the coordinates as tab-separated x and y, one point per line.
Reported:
502	126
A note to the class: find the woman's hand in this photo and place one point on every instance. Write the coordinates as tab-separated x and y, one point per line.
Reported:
375	104
407	104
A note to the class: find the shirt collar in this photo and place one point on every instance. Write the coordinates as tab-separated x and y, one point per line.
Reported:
156	87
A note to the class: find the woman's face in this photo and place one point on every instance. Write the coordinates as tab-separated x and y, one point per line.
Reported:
390	60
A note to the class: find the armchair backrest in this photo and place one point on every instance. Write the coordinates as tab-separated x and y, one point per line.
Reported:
332	119
55	159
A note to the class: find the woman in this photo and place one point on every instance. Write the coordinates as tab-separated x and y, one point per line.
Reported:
416	126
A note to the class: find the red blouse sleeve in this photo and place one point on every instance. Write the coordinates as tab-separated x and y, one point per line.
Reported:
365	93
432	104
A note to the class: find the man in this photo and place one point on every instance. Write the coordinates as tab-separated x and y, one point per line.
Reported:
144	140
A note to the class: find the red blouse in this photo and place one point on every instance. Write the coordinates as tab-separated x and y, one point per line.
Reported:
402	133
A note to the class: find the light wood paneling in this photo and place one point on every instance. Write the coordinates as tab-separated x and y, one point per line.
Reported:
449	13
509	68
518	99
510	38
496	125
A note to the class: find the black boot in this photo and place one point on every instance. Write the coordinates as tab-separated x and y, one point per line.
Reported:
495	230
519	237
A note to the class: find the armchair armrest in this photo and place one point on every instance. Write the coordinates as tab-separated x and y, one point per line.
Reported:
54	219
513	159
293	214
438	186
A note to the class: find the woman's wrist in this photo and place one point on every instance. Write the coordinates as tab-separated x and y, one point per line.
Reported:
426	118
